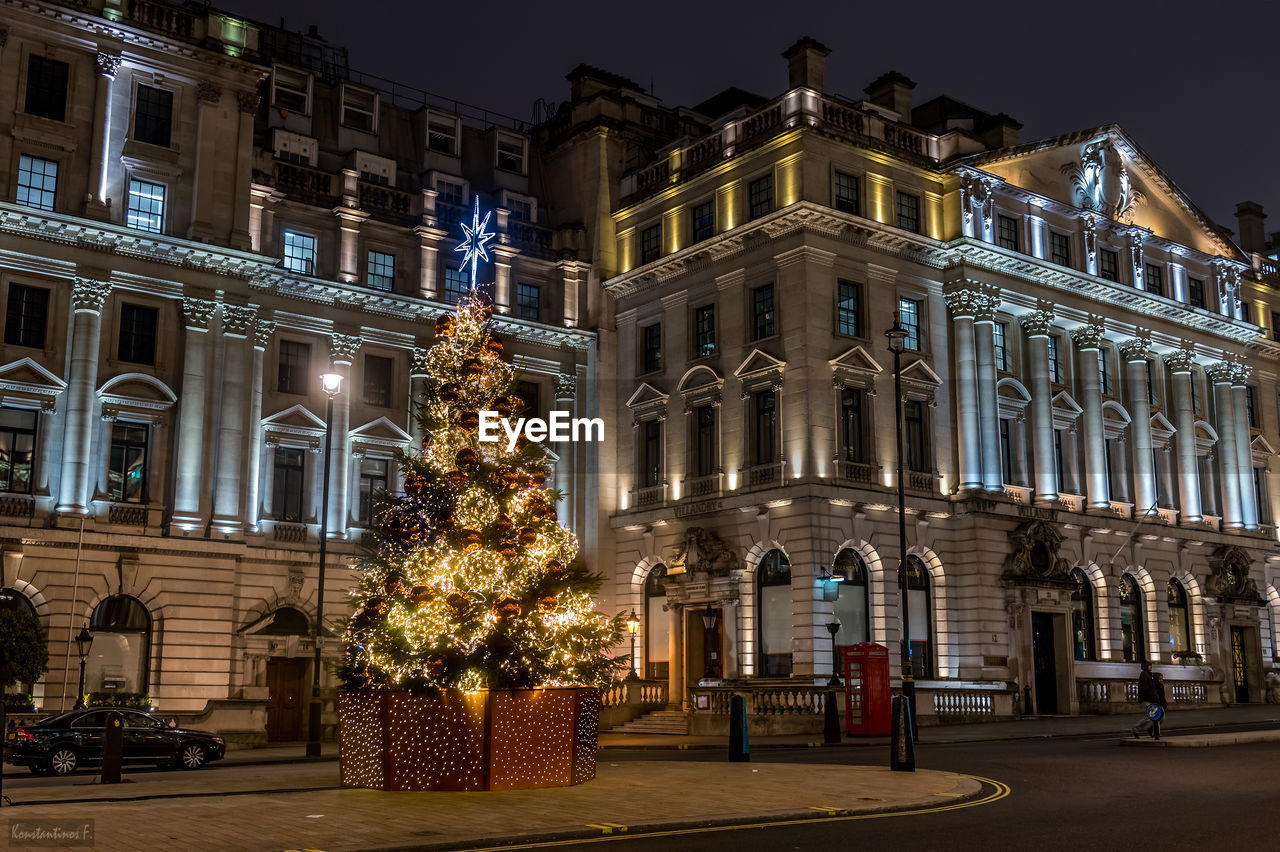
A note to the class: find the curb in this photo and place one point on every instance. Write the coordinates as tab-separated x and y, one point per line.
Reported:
1205	740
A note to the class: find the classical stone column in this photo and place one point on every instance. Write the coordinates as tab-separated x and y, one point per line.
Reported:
342	353
349	217
675	655
87	298
984	322
1036	325
429	237
237	322
241	236
192	421
262	331
573	274
417	391
503	295
263	200
1134	352
1179	363
1244	445
1088	338
961	304
208	94
99	150
1221	375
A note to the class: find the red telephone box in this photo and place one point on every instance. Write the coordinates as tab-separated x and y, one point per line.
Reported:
866	689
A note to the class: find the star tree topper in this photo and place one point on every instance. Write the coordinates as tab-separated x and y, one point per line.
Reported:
473	247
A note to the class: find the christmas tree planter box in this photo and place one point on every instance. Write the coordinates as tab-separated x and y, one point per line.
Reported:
500	740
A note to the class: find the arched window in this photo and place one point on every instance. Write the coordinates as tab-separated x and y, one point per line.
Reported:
1132	629
287	621
14	600
853	603
773	624
118	658
657	625
920	604
1179	619
1082	617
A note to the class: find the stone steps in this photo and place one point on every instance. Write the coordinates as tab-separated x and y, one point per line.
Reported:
657	722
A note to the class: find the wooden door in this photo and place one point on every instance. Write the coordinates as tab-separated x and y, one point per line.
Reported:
284	699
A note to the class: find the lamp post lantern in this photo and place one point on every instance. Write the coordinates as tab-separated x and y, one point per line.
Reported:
709	618
633	624
903	755
84	641
833	627
331	383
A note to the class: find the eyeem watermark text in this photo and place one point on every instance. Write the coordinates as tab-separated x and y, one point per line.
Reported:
35	833
559	427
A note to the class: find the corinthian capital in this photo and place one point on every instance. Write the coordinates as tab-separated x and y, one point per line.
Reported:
1135	349
1240	373
418	362
963	303
1220	373
196	313
1036	323
262	331
1087	336
89	295
208	92
343	348
1180	360
237	320
108	64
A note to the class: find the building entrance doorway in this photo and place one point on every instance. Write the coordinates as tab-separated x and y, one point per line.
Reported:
1045	659
702	654
1239	665
284	699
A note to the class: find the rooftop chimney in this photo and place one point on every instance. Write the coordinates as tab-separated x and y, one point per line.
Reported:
806	64
1250	217
892	91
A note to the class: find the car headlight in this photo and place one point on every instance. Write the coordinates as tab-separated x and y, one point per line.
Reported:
219	741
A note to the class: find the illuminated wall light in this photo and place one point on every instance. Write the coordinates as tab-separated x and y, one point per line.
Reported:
675	490
727	206
788	181
732	480
626	242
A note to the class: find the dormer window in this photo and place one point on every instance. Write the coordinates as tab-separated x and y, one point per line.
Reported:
442	133
359	109
291	90
511	152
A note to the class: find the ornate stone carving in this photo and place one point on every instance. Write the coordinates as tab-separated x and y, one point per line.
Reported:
1034	553
962	303
704	551
418	362
1229	578
343	348
196	313
1135	348
1036	323
296	578
248	101
566	386
1220	373
1128	197
108	64
1240	372
1180	360
208	92
262	331
1086	176
1089	230
89	295
238	320
987	304
1015	609
1087	336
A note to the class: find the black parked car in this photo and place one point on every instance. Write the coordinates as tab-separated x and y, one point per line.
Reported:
61	744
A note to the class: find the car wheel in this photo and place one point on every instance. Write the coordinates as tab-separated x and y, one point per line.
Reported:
192	756
63	761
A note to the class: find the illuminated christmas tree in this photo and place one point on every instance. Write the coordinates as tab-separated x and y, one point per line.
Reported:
475	584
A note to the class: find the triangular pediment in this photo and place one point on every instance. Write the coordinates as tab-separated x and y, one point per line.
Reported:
1103	171
646	395
294	417
1063	402
1160	423
137	389
758	362
381	430
922	373
855	360
1262	445
27	373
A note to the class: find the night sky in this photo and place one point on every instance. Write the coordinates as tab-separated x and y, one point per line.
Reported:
1195	86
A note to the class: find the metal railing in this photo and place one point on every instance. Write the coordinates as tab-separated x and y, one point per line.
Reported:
305	184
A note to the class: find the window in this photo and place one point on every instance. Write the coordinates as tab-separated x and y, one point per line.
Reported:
916	434
704	220
1059	462
657	624
1154	279
1104	374
853	435
294	368
1195	293
909	317
1108	265
529	301
909	212
373	482
359	109
762	316
1132	631
153	116
650	243
766	423
450	193
286	490
773	594
1246	310
1082	617
137	334
121	629
704	330
442	135
145	207
287	621
1060	248
651	453
846	193
17	450
37	182
1179	622
456	284
760	196
1275	325
381	271
704	440
1007	232
291	90
299	253
651	348
852	602
377	381
848	308
127	463
511	152
1260	495
521	211
998	332
920	617
1151	387
47	88
1251	406
27	316
1055	365
1006	455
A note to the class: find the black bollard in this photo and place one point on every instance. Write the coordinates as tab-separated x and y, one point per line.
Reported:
739	747
831	720
902	754
112	748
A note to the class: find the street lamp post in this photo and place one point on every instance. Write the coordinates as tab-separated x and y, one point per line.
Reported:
709	618
84	640
331	383
903	755
833	627
633	624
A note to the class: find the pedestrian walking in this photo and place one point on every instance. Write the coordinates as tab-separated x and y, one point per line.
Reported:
1161	702
1147	698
